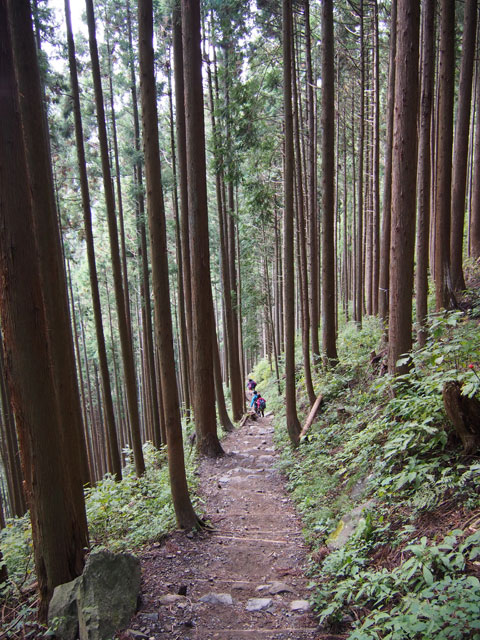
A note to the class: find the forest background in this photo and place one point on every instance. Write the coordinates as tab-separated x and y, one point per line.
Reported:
303	166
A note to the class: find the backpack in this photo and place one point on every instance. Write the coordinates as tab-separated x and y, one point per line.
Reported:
252	384
261	404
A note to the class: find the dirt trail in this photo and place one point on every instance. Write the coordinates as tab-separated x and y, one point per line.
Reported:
246	578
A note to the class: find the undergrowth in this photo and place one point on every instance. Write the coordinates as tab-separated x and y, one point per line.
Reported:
121	516
382	448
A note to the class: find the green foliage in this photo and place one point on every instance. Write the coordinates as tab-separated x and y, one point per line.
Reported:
17	549
127	514
121	515
388	440
447	610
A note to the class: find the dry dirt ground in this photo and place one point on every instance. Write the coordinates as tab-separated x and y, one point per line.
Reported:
246	578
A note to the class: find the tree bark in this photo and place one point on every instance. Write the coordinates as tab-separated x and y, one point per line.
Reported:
202	302
312	191
125	333
403	184
12	462
328	187
53	481
116	467
475	208
293	425
183	184
446	86
460	150
424	167
359	280
301	240
143	253
185	514
464	412
384	275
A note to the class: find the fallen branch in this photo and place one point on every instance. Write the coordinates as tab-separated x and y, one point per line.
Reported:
244	419
311	416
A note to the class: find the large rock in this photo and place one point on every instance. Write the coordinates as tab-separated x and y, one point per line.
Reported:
347	525
100	601
62	611
107	595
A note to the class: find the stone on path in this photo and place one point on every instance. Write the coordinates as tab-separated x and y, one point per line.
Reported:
257	604
217	598
279	587
300	605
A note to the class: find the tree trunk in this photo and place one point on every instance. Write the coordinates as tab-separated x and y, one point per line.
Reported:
143	253
460	151
403	184
293	425
125	333
376	168
182	174
12	463
475	209
312	191
3	567
218	384
384	275
184	356
443	285
464	412
116	467
359	284
328	187
424	167
302	243
53	481
231	323
185	515
202	303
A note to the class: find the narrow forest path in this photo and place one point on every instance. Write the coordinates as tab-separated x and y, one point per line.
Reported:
246	578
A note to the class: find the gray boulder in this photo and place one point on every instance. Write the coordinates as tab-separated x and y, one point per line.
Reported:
100	601
62	611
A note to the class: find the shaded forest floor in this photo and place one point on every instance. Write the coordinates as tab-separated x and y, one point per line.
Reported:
245	578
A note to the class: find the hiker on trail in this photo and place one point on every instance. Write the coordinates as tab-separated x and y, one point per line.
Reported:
251	384
254	400
260	406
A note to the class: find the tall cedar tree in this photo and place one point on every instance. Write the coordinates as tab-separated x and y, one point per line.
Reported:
301	240
124	330
293	425
202	303
186	517
424	167
52	268
404	163
460	150
114	454
446	89
158	421
328	183
359	278
312	189
475	206
384	275
182	171
52	482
